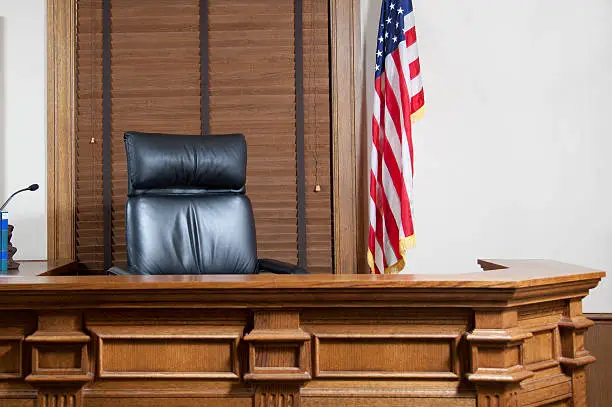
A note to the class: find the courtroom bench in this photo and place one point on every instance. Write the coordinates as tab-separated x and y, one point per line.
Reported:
509	336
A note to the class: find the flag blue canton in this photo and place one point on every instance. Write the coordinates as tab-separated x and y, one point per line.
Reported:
390	30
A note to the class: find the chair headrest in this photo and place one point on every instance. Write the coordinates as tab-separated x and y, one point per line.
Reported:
183	164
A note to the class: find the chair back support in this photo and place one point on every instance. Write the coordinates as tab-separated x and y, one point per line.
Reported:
186	211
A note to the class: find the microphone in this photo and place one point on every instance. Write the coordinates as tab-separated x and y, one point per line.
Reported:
32	187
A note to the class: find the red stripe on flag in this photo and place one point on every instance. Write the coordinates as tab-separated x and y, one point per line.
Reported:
379	233
406	213
394	110
371	241
410	36
417	101
391	227
415	68
379	85
375	134
393	167
406	111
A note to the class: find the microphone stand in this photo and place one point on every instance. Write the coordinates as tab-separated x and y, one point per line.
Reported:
32	187
12	264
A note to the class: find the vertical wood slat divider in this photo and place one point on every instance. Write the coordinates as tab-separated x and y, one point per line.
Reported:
106	132
204	67
299	132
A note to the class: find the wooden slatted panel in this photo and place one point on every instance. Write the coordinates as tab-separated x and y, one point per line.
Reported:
156	87
317	135
88	167
252	91
155	83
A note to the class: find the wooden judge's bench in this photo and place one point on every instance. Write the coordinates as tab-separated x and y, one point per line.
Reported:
511	336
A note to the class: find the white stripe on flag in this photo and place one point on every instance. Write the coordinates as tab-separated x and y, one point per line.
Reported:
409	21
411	52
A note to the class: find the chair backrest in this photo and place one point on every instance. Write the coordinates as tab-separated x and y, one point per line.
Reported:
187	212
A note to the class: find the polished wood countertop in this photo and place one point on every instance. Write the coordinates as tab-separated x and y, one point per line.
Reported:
37	268
505	283
499	274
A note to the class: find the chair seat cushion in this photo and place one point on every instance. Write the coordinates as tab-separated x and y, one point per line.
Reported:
210	234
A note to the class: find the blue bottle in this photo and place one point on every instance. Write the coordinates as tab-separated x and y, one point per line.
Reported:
4	242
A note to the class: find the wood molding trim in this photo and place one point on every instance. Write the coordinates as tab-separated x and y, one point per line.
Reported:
345	68
61	127
349	254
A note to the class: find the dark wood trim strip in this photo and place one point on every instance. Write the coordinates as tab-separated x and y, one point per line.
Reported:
205	92
106	133
299	132
599	317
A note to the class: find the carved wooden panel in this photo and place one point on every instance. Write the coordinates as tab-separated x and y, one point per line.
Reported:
14	327
387	355
542	354
282	356
153	345
540	347
170	402
546	390
388	401
57	400
388	343
493	399
10	357
278	348
277	396
68	358
185	356
19	403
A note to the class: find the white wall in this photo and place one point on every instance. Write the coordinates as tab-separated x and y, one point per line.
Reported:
22	122
514	153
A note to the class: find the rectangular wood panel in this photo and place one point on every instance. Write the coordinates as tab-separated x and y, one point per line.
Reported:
170	402
386	356
168	357
10	358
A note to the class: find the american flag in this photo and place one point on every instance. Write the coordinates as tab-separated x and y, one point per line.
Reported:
398	100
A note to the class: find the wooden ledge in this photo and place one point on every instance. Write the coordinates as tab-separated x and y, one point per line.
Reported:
277	335
512	274
521	282
498	336
64	379
59	337
492	375
277	377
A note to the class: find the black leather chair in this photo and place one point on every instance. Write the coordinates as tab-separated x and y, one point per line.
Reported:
187	212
